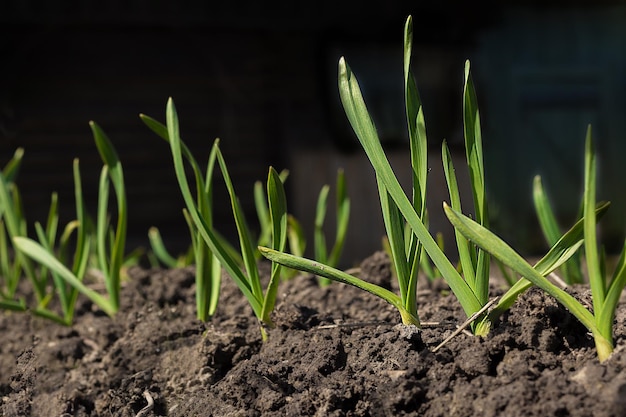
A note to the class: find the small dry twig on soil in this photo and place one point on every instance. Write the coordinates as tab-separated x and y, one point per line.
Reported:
378	323
144	411
466	323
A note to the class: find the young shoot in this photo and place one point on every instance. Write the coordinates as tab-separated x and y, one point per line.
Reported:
12	224
605	294
399	211
474	261
109	242
246	277
208	272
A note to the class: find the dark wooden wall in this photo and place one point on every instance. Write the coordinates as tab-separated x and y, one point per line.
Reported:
251	73
261	76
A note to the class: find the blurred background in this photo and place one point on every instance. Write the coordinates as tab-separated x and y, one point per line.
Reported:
262	76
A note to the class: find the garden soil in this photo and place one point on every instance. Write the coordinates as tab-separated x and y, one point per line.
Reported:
335	351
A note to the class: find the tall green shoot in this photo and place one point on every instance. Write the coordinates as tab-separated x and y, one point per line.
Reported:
110	242
208	267
474	261
605	294
247	276
398	210
11	267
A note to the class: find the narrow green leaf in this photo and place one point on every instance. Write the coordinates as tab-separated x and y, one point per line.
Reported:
463	246
417	130
81	254
475	164
596	278
364	128
243	231
158	247
12	167
394	226
319	239
545	214
39	254
157	127
102	225
418	146
313	267
105	147
161	130
215	282
52	221
18	305
260	204
212	240
295	236
607	313
278	217
342	219
204	270
116	175
500	250
473	146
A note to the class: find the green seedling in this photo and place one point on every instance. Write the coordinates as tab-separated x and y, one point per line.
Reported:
263	212
13	217
566	247
399	211
605	295
208	268
109	242
474	261
572	269
247	277
12	224
404	248
48	242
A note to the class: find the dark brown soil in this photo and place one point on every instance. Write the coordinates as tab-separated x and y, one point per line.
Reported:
335	351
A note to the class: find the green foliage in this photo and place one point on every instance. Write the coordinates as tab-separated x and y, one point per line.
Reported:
46	262
398	210
68	274
401	214
243	269
605	294
474	261
13	224
208	268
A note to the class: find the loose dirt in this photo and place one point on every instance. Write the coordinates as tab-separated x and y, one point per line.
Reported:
335	351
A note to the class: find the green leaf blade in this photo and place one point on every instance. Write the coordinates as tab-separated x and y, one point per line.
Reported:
494	245
364	128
